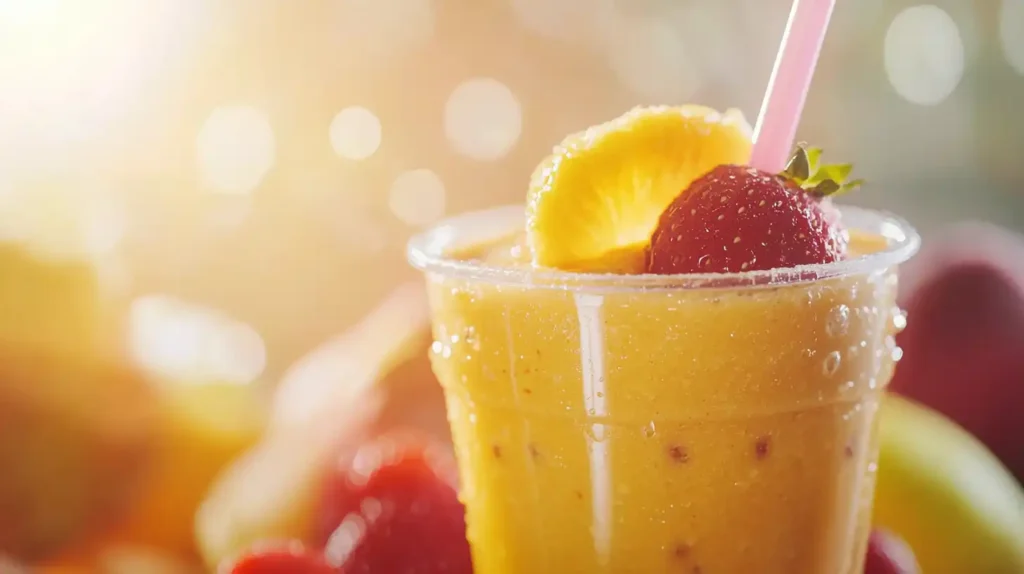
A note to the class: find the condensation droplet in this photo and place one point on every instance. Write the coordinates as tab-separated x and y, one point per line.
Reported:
831	364
650	430
899	319
890	342
597	432
897	354
471	338
838	321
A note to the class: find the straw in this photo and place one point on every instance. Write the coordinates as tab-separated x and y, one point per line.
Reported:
787	88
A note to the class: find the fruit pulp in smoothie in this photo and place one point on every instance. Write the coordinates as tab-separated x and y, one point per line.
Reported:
702	431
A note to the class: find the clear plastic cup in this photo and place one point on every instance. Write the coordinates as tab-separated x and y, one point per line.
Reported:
719	423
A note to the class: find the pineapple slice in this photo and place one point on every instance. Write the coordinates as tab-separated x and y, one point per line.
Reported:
593	203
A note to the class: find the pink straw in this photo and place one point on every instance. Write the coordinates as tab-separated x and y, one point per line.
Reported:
787	88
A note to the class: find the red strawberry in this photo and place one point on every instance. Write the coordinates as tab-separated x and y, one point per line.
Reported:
737	218
889	554
285	559
394	508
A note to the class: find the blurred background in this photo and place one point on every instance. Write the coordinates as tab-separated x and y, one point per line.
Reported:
218	187
270	158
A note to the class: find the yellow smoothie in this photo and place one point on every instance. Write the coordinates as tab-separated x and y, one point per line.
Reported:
614	424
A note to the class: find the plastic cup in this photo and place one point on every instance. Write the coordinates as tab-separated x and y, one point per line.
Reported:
708	424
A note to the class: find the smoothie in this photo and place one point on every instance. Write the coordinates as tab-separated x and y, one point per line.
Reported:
637	423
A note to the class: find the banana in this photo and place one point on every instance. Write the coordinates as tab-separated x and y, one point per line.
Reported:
946	494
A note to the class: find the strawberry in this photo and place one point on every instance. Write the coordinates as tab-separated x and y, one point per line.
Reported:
394	508
737	218
889	554
285	559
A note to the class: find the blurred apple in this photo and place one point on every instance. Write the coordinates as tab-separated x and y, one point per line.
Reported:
75	433
332	399
963	348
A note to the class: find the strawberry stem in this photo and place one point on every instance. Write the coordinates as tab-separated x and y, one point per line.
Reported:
819	180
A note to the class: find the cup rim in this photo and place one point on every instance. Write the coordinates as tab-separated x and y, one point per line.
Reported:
430	252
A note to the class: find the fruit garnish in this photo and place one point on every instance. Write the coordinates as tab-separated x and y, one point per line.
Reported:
628	260
736	218
603	189
393	508
889	554
819	180
280	559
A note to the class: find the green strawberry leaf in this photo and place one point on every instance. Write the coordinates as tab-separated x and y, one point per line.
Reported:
805	169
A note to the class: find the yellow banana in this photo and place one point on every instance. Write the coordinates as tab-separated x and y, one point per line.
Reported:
946	494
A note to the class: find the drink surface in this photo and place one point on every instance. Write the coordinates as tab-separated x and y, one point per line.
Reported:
689	430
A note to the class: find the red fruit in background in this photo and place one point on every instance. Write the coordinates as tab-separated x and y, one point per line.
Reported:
393	508
286	559
963	348
889	554
737	218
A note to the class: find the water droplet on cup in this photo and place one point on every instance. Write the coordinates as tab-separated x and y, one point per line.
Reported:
471	338
650	430
897	354
597	432
831	364
838	321
899	319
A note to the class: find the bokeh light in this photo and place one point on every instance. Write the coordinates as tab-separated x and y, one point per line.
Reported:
417	197
483	119
190	344
924	54
651	58
355	133
235	149
1011	33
